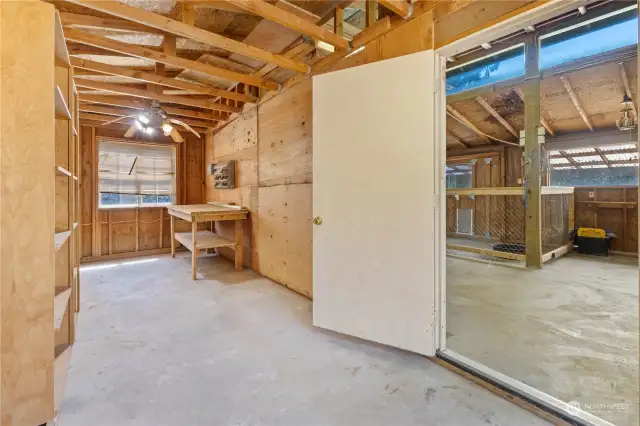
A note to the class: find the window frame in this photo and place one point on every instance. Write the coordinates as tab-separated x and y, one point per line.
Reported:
461	163
139	205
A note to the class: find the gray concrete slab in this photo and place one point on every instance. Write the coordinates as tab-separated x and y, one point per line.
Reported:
156	348
569	329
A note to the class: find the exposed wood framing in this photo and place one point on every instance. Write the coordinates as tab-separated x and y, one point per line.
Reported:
544	122
122	112
602	156
72	19
399	7
371	12
147	94
121	101
576	101
181	29
146	53
457	139
338	21
454	113
161	80
290	20
532	152
627	89
497	116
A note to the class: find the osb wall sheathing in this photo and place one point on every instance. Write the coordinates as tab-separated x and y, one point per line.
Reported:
133	231
273	147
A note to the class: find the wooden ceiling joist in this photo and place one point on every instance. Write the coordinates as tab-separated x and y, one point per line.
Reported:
106	112
120	101
194	114
454	113
457	139
399	7
146	53
161	80
627	88
484	104
75	19
576	101
544	122
181	29
148	94
290	20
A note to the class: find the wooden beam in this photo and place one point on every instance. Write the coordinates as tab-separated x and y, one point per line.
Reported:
146	53
371	13
338	21
627	88
576	101
181	29
193	114
399	7
122	101
148	94
172	111
76	19
454	113
602	156
457	139
106	112
164	81
544	122
290	20
484	104
532	154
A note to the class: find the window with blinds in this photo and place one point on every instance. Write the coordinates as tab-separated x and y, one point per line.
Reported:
135	174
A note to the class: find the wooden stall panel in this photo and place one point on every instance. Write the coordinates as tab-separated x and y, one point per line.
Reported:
284	129
284	235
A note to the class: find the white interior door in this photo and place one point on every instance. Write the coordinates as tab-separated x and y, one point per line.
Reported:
374	186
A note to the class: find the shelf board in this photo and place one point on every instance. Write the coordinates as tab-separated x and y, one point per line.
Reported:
204	240
60	369
61	238
61	53
62	111
63	171
60	305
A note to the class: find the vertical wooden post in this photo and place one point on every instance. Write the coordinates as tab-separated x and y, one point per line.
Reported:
533	195
173	235
110	236
194	252
138	228
95	196
161	227
371	12
239	250
338	21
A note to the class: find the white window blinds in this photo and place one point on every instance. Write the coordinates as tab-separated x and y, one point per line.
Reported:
135	174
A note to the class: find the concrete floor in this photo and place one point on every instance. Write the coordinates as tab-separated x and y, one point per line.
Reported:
156	348
569	329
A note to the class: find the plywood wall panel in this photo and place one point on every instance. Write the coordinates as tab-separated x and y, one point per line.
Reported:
149	228
87	195
240	134
284	235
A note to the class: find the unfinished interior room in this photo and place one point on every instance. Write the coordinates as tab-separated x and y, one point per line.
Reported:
309	212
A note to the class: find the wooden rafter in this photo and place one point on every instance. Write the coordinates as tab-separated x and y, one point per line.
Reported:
146	53
371	13
457	139
627	89
338	21
602	155
290	20
193	114
454	113
161	80
120	101
148	94
497	116
399	7
576	101
200	115
104	118
181	29
544	122
123	112
569	158
76	19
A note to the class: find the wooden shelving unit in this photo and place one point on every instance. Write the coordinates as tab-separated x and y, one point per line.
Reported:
39	203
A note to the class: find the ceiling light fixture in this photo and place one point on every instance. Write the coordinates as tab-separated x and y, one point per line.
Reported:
627	120
167	128
143	119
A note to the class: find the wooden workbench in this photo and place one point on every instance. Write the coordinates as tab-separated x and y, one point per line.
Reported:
203	240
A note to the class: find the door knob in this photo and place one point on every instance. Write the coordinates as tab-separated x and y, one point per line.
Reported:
317	220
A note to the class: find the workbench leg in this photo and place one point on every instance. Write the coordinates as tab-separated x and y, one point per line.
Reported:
239	251
194	252
173	236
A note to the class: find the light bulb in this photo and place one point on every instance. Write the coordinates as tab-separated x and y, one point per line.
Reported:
148	130
167	128
143	118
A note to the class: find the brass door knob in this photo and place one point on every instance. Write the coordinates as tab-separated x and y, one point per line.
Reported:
317	220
